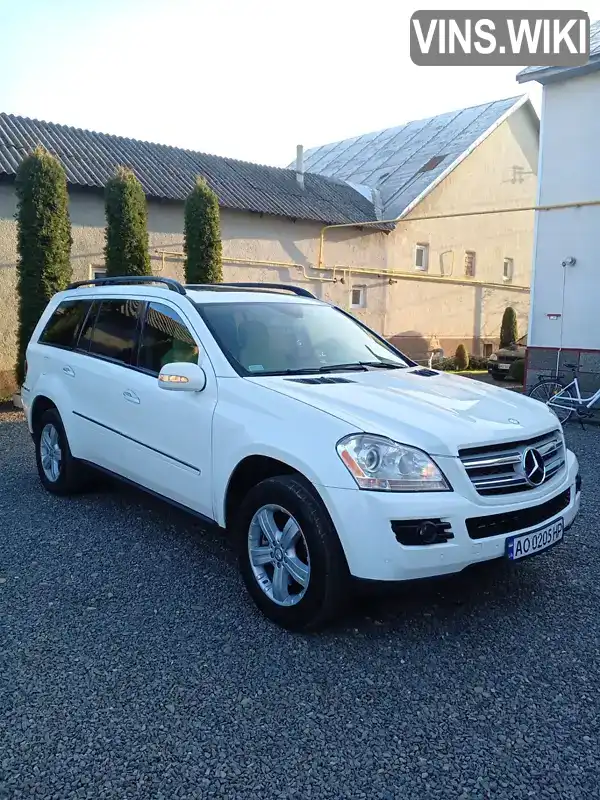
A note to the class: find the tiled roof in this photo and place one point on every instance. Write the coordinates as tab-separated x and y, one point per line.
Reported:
169	173
402	162
540	73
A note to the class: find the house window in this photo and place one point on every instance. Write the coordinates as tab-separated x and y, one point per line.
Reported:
488	349
470	264
422	257
97	273
358	297
507	270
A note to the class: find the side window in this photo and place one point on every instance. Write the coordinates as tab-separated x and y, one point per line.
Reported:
65	323
111	332
165	339
85	336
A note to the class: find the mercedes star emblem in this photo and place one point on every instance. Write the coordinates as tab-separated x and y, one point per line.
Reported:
534	468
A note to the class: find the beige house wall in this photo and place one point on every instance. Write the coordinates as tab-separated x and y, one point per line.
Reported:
500	173
415	314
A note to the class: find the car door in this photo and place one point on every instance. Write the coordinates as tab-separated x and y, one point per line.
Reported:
170	431
99	367
54	358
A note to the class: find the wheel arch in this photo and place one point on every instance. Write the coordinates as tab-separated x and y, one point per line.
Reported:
251	471
41	404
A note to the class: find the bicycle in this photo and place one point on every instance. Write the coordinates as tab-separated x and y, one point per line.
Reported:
564	398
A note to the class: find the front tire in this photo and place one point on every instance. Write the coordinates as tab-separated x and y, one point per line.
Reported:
548	388
290	556
59	472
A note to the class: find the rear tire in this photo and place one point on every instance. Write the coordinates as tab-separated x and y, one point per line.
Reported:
546	389
59	472
290	556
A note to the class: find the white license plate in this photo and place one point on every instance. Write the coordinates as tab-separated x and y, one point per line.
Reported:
503	366
527	544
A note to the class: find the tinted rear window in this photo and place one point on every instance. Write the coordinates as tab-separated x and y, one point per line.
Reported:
65	323
112	332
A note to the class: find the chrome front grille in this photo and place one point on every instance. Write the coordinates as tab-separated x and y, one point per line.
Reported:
501	469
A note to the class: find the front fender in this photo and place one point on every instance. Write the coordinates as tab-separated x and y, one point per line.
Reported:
258	422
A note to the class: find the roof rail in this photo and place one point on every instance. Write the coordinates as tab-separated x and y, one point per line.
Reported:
274	287
125	280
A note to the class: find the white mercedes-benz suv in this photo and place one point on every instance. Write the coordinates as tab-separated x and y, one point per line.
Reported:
328	454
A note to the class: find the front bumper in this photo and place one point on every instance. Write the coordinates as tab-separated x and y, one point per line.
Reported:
364	519
494	369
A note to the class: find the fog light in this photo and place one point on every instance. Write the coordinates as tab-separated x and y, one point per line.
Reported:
419	532
428	532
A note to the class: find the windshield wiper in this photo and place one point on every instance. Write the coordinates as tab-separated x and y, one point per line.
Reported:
383	364
356	366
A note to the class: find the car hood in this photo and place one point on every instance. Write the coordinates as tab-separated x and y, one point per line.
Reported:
512	352
431	410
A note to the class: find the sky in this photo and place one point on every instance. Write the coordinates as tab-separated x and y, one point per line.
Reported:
248	80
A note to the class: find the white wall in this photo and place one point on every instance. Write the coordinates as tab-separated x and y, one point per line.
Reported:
569	172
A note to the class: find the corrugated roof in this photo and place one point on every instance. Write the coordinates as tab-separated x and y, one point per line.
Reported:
402	162
541	73
165	172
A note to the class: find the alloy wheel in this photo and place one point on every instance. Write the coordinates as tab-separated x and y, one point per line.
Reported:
50	452
279	555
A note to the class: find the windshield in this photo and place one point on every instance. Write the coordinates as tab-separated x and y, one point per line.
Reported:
281	338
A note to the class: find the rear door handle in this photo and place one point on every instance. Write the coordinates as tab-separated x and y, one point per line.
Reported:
69	371
130	396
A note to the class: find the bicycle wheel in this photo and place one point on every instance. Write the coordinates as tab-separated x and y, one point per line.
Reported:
546	390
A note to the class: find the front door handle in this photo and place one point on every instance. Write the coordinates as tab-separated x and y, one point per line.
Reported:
131	397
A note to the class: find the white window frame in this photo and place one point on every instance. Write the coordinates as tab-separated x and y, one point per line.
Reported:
96	273
362	297
424	250
507	276
474	254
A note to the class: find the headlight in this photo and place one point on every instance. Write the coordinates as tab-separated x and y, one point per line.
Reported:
493	357
382	464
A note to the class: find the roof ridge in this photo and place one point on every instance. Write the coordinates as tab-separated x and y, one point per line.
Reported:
150	143
514	98
403	161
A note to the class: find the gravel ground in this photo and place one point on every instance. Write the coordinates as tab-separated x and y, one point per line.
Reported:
132	665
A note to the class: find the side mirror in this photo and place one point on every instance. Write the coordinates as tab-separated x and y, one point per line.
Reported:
182	377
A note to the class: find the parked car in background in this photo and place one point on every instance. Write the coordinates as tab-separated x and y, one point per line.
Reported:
327	455
500	362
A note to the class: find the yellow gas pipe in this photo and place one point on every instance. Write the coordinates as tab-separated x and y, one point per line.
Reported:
555	207
395	273
259	262
346	270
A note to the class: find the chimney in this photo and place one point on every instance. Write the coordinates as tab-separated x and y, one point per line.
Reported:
300	165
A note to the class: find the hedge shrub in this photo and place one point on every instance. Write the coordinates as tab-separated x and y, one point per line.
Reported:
449	364
517	371
508	330
43	242
461	357
202	236
126	235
